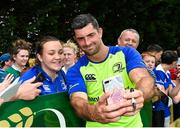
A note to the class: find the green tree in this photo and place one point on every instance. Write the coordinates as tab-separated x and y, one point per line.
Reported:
157	21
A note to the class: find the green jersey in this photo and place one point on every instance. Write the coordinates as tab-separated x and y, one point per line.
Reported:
87	76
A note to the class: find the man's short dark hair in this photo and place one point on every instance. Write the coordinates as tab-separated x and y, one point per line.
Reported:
82	20
168	57
154	48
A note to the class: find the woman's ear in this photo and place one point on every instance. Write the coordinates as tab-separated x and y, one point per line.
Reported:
39	57
14	57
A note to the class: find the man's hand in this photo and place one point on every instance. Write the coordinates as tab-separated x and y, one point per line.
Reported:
107	113
125	107
103	112
28	90
137	96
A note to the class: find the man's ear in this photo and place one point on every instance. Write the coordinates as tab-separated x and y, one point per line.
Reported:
74	38
100	31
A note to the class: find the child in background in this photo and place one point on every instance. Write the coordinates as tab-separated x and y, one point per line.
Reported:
164	82
149	60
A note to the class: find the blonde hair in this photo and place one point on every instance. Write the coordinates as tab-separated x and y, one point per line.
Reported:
70	44
147	54
32	62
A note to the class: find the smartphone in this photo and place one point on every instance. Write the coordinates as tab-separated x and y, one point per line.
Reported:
39	78
115	86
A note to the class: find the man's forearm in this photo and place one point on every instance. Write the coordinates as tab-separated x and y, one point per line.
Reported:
148	90
143	81
83	108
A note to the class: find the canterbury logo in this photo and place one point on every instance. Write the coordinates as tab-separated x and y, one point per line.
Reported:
90	77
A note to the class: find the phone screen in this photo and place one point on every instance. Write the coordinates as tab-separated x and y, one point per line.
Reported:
115	86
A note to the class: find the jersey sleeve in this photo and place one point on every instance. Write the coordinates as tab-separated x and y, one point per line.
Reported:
28	75
133	59
75	81
170	80
160	77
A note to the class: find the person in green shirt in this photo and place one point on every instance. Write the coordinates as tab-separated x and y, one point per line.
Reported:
100	62
20	55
